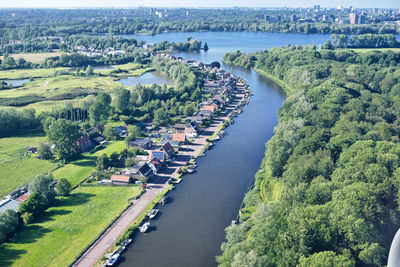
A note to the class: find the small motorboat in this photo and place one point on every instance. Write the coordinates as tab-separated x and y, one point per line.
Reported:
113	259
127	242
190	170
153	213
145	227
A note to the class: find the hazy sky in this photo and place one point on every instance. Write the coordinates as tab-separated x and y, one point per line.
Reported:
197	3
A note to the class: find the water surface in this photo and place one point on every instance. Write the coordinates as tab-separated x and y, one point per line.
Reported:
189	231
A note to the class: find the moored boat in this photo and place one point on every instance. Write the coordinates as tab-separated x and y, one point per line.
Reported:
153	213
145	227
113	259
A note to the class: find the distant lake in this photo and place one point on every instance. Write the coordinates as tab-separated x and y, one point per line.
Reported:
148	78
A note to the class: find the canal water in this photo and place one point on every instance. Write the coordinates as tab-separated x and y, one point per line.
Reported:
190	229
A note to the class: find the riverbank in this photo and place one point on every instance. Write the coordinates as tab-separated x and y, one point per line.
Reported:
132	217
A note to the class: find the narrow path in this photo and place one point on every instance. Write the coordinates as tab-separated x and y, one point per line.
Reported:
100	247
96	251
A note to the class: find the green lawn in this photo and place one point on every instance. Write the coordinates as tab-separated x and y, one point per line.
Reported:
52	86
15	169
28	73
18	172
65	230
79	170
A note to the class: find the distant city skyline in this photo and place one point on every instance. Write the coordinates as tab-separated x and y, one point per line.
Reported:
196	3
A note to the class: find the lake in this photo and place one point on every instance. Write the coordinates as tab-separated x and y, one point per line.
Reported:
189	231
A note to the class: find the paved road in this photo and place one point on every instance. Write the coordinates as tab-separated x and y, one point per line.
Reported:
97	250
116	230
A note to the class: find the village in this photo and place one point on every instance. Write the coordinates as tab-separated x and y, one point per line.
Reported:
164	155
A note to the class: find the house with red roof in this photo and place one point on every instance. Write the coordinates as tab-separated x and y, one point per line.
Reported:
120	179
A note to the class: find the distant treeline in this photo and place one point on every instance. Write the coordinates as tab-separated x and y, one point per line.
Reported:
327	192
364	41
46	30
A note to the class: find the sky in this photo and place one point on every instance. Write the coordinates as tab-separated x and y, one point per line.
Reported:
198	3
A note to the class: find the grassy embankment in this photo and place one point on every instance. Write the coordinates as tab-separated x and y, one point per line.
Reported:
67	229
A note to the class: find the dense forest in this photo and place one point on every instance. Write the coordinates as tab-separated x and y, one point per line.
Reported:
327	193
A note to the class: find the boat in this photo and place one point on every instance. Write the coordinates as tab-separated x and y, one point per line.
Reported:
173	187
153	213
127	242
216	138
193	166
190	170
121	249
113	259
145	227
164	200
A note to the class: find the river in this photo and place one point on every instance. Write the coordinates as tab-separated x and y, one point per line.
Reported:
190	229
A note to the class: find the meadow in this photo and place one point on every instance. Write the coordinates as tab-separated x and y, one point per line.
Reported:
65	230
15	169
35	57
80	169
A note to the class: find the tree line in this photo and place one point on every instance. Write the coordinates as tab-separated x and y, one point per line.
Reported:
328	189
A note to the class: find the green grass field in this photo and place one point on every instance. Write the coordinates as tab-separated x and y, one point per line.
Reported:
65	230
27	73
35	57
52	86
79	170
15	169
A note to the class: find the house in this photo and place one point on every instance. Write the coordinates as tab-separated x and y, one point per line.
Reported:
121	131
155	164
191	130
140	144
206	114
219	101
180	138
168	149
85	144
99	140
146	171
120	179
179	127
158	154
212	107
31	150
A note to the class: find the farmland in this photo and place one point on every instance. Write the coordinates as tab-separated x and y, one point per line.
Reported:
66	229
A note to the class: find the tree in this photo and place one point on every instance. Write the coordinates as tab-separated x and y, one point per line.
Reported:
89	71
161	117
326	259
9	222
114	160
100	110
133	133
44	151
63	187
102	162
205	47
34	205
42	185
110	133
64	135
121	100
215	64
